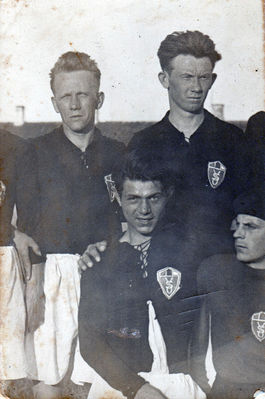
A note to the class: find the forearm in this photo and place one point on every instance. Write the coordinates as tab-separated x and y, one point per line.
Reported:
99	355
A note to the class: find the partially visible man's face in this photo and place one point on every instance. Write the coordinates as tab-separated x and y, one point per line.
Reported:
249	238
76	98
189	81
143	203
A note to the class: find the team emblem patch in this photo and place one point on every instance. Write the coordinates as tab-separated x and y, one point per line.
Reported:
113	193
169	280
2	192
216	173
258	325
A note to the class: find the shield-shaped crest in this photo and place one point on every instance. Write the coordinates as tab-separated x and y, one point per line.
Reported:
113	193
216	173
169	280
2	192
258	325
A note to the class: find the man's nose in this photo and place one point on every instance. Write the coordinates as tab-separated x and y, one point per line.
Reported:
75	103
196	84
239	232
144	206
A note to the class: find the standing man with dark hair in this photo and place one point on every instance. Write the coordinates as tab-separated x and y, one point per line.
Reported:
233	289
73	163
215	165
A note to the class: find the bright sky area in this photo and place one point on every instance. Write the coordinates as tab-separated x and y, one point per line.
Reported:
123	37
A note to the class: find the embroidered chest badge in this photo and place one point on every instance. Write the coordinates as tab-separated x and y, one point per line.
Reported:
258	325
216	173
113	193
2	192
169	280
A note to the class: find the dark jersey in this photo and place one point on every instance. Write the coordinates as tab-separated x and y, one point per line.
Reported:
234	299
215	169
113	311
17	178
75	207
255	134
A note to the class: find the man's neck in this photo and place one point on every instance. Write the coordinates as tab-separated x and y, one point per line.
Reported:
80	140
133	239
257	265
186	122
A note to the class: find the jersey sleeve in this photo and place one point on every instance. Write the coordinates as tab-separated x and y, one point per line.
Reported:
26	197
94	347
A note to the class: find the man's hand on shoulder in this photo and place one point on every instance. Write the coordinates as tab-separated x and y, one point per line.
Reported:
92	254
147	391
23	242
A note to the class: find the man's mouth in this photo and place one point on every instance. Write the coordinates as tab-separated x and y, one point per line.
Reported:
144	220
240	246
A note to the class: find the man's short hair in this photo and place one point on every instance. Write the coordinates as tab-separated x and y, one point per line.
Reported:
74	61
187	43
145	165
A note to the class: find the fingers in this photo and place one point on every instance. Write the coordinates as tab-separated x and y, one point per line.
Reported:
84	262
25	264
92	254
35	247
101	246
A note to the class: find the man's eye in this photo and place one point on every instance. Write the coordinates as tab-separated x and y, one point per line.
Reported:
252	226
155	198
205	77
186	77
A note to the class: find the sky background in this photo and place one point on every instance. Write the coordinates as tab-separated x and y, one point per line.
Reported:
123	37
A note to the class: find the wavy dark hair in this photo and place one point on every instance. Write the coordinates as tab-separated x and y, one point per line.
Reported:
190	43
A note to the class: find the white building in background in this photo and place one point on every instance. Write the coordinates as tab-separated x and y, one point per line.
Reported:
19	115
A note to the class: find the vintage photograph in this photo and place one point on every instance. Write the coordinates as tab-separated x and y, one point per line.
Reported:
132	199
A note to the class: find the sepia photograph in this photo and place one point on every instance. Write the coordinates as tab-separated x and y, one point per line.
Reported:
132	199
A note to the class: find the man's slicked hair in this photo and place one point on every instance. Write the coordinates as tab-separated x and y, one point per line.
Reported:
192	43
74	61
143	165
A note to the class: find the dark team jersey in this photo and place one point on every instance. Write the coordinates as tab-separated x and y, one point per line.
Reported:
234	299
17	185
255	134
113	311
75	208
215	168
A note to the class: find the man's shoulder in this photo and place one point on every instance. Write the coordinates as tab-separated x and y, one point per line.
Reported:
218	272
47	139
256	126
110	144
147	134
11	144
221	126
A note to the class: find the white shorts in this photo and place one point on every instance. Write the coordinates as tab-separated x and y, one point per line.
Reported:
12	316
52	341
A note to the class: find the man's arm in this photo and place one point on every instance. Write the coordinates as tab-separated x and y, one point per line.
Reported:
27	204
94	347
199	347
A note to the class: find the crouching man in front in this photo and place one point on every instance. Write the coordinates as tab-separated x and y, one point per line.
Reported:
137	307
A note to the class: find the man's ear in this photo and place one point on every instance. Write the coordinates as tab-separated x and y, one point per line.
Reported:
170	192
54	103
164	79
214	76
100	100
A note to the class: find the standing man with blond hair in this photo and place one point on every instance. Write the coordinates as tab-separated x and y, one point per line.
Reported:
73	163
